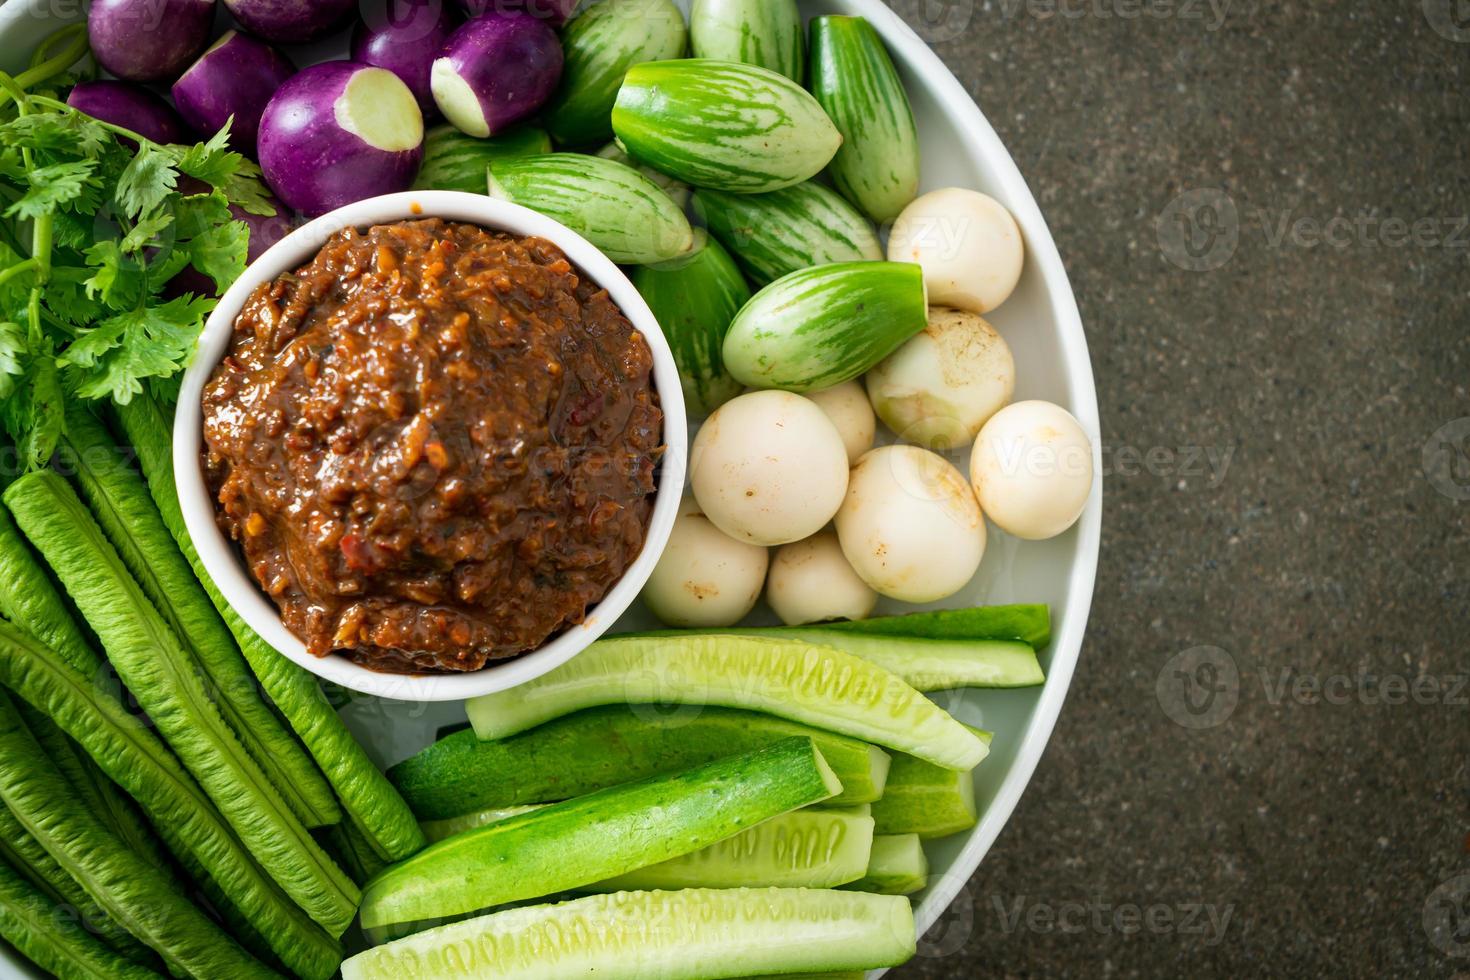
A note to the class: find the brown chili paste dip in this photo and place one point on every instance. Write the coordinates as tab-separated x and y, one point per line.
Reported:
434	444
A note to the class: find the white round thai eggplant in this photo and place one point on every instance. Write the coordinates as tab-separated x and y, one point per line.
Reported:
940	387
910	526
290	21
339	132
812	581
769	468
231	83
495	71
848	407
1032	470
148	40
968	243
704	578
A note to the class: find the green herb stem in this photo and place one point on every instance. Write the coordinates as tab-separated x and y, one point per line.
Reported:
56	64
60	106
19	269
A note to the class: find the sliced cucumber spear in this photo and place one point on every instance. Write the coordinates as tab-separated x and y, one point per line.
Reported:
765	33
131	754
120	501
57	944
897	866
610	204
143	898
819	327
437	830
168	685
853	78
365	793
601	44
814	685
456	161
925	665
681	935
773	235
926	800
694	298
592	750
802	849
599	836
723	125
1027	623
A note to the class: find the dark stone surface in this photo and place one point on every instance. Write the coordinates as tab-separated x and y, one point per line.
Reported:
1335	835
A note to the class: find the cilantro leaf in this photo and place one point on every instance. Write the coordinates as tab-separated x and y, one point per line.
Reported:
51	187
70	133
114	357
211	162
117	279
217	245
32	411
145	232
146	181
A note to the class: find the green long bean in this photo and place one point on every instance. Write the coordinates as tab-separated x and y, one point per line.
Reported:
120	501
132	892
168	685
58	944
132	755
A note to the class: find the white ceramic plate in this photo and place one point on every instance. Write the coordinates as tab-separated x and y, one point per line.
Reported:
1041	324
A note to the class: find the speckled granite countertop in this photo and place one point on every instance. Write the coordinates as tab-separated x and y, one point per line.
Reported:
1265	212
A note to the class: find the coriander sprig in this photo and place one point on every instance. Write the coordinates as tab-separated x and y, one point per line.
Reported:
96	221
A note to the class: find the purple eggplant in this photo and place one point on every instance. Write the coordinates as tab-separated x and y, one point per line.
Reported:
340	132
132	107
148	40
404	36
554	12
495	71
235	78
290	21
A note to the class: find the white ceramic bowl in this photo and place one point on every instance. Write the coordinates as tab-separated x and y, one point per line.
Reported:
1040	323
222	559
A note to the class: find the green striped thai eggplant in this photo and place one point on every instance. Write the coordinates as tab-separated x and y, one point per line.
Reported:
601	44
723	125
822	326
775	234
766	33
610	204
694	298
853	78
455	161
676	189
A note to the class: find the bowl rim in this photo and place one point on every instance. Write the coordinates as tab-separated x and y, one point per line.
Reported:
218	553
